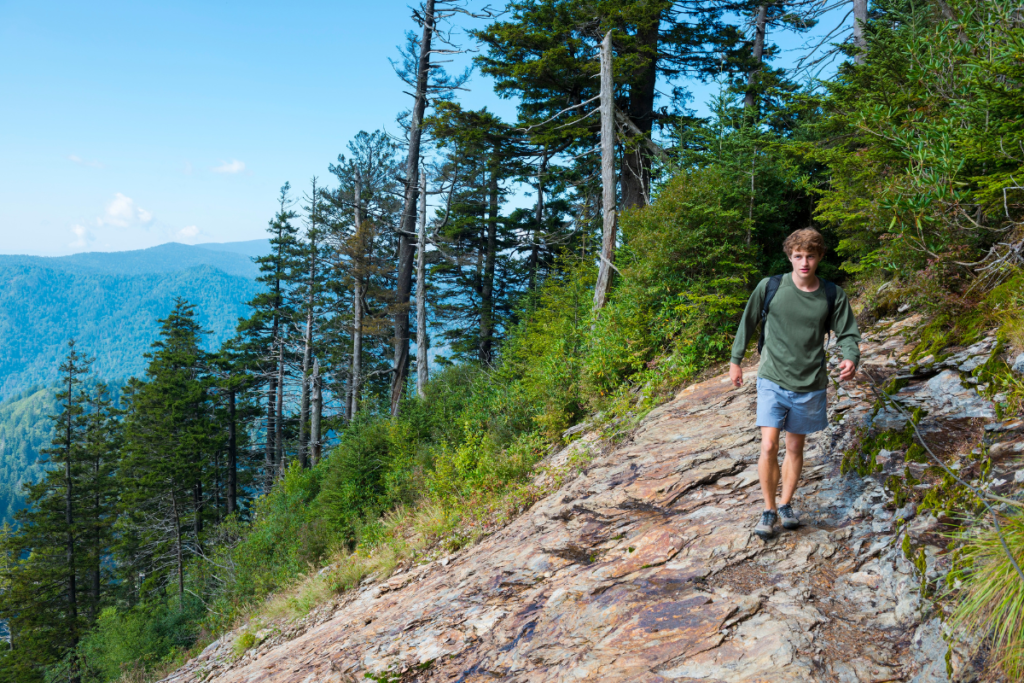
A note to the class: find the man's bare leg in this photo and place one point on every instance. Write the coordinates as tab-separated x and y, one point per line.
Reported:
792	465
768	466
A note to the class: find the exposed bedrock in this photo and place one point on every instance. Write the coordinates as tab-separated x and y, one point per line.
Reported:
644	568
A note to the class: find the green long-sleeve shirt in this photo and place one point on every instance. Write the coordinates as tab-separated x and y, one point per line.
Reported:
793	346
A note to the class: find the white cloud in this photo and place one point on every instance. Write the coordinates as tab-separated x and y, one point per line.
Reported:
82	237
123	213
82	162
234	166
188	233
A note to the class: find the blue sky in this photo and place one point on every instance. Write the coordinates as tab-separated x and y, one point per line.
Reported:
130	124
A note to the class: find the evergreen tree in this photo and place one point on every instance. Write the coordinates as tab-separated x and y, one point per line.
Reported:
237	394
264	331
44	604
362	215
476	240
170	439
545	53
101	452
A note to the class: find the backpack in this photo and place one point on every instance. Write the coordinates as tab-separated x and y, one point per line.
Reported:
769	293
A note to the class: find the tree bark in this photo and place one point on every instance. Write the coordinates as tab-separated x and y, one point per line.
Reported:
357	303
760	25
271	399
405	248
486	343
308	337
232	493
314	427
533	260
422	370
860	17
604	273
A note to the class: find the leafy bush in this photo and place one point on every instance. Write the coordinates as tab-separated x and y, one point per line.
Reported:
149	635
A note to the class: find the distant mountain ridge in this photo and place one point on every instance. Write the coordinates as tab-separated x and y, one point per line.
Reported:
109	303
233	258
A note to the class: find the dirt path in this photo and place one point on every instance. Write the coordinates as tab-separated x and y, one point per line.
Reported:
644	569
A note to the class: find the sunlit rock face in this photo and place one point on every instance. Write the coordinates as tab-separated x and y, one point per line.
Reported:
644	567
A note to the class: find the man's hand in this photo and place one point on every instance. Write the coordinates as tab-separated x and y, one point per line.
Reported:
736	375
847	370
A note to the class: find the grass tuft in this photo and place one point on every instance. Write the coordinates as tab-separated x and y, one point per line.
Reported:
992	595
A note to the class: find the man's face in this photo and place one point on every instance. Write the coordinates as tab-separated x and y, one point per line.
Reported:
804	262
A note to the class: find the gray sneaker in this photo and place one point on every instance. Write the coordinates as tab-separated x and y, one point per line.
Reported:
766	527
788	517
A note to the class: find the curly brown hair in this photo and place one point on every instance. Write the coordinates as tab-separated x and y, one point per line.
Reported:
807	239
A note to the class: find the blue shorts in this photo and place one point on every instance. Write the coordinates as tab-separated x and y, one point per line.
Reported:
796	412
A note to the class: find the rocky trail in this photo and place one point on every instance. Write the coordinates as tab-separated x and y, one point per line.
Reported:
644	568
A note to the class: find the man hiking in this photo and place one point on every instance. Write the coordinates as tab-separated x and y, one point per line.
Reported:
796	311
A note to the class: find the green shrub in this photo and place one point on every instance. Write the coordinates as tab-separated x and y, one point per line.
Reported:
148	634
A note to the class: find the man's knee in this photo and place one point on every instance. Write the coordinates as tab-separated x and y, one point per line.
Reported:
769	446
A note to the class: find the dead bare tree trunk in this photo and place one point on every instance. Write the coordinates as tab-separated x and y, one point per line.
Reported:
860	18
538	220
422	371
604	273
760	26
357	303
314	427
489	257
269	449
308	338
403	285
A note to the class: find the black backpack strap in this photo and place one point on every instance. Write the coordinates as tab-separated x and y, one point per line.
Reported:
769	293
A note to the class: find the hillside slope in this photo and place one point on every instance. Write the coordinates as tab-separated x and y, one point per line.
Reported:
24	430
644	569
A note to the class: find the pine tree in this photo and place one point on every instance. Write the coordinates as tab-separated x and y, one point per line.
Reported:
308	302
170	439
361	215
101	452
264	331
44	604
421	71
483	156
545	53
237	404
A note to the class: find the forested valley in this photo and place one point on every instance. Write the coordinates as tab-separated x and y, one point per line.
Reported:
332	432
